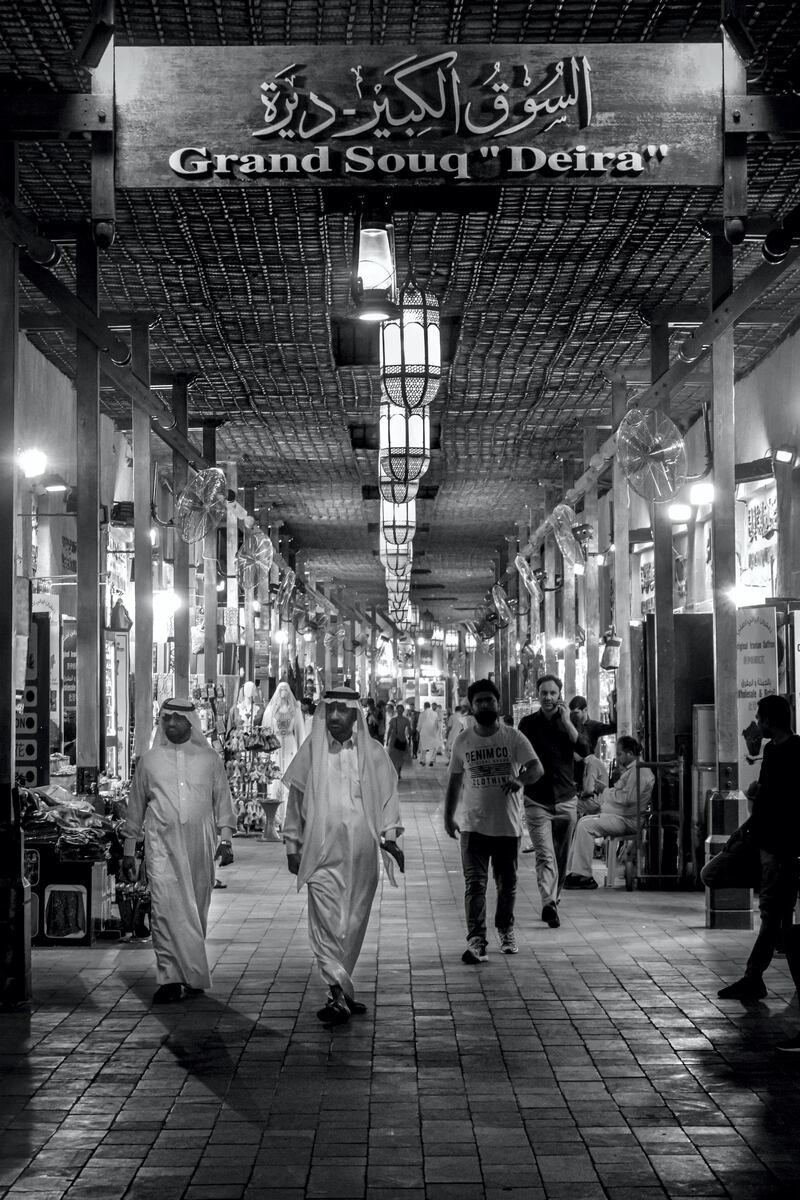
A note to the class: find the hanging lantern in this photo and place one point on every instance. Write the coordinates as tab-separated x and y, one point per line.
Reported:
470	642
437	637
397	491
411	360
451	640
426	623
395	558
374	280
609	659
405	443
398	522
401	574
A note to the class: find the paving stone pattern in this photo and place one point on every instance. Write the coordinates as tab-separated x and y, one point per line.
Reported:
597	1062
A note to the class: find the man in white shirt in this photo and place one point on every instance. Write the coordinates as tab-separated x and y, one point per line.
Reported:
342	809
621	808
490	764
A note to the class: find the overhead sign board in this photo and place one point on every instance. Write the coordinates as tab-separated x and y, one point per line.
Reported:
376	115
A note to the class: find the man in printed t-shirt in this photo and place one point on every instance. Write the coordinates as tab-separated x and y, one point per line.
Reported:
490	764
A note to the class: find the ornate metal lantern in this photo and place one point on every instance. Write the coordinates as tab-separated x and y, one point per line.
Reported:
404	446
396	491
398	522
411	361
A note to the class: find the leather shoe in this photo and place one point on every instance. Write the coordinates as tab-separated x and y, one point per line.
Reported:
335	1012
744	989
357	1009
550	916
168	993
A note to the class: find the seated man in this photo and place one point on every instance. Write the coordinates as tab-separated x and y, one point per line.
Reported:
619	816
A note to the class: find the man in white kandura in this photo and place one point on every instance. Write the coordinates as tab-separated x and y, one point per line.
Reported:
342	809
180	796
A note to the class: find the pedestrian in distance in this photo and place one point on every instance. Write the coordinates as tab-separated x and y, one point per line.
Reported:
489	765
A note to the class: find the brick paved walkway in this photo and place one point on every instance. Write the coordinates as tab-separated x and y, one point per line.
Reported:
596	1063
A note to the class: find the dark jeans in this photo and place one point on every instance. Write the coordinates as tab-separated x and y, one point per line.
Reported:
477	850
777	893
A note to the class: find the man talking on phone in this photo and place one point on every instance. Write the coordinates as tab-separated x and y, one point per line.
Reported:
551	804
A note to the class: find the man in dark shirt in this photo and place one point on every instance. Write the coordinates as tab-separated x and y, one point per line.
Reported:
589	731
551	804
769	844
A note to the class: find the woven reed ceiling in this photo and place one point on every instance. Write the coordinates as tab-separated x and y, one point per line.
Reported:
546	289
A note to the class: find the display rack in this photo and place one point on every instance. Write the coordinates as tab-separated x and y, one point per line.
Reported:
250	767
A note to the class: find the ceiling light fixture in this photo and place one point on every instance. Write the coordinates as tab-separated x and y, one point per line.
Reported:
410	347
404	443
374	278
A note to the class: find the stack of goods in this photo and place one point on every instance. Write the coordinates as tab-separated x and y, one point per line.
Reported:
54	816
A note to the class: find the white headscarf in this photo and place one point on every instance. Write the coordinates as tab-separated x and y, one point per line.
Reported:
376	773
183	706
284	715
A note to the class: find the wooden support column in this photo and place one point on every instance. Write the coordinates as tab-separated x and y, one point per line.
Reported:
664	573
622	568
508	666
210	593
551	557
794	536
143	551
15	891
180	548
568	605
248	501
524	607
591	587
87	386
232	540
783	487
723	527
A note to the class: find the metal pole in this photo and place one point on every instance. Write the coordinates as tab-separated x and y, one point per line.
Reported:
622	569
143	552
210	574
87	386
664	573
591	588
180	548
723	527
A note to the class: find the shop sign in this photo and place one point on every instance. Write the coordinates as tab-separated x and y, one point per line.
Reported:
757	676
362	115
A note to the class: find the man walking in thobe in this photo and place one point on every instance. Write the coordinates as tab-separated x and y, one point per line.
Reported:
342	809
180	796
428	736
551	805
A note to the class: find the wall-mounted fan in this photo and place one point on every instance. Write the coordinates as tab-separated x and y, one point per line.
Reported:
500	602
487	622
202	505
528	578
285	589
561	522
254	558
651	453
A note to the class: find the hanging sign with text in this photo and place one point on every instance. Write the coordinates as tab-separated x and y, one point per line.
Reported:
361	115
